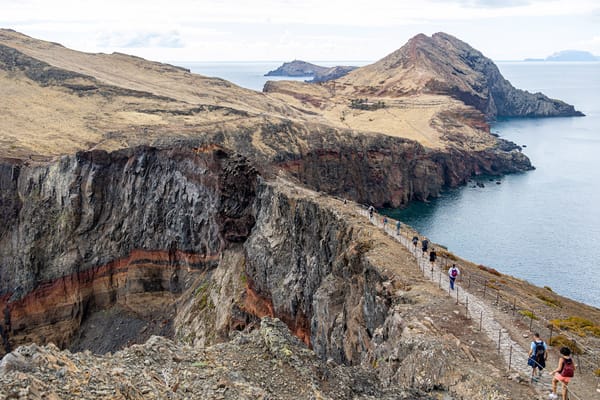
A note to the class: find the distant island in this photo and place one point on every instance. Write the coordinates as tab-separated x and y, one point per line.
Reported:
299	68
568	55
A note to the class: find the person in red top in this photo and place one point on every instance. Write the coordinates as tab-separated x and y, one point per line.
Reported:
564	372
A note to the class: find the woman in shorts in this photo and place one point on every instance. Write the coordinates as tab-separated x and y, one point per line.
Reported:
563	373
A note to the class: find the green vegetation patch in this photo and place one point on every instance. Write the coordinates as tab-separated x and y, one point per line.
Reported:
549	300
528	314
563	341
578	325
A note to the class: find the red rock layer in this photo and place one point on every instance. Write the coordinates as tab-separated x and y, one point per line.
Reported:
54	310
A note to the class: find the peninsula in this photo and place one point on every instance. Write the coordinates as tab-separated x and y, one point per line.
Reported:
202	240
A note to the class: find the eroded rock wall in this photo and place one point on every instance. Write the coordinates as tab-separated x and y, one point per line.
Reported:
309	263
97	229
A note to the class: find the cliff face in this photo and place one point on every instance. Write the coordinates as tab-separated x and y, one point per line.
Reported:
195	237
387	171
99	229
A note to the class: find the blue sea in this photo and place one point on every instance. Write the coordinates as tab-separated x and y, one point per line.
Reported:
542	226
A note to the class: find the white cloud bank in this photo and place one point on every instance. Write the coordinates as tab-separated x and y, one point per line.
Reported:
308	29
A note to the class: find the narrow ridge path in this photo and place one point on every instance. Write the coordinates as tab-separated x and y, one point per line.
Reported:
478	310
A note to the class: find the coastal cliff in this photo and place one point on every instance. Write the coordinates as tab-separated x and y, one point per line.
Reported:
443	64
96	230
138	199
196	238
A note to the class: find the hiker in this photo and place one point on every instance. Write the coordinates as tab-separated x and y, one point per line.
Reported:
385	221
415	241
424	245
453	273
371	209
564	372
536	358
398	226
432	257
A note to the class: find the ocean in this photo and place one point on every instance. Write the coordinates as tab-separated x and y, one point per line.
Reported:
542	226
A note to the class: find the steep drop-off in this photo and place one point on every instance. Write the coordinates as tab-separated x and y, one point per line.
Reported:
98	229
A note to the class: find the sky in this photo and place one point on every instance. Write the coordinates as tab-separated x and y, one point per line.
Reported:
311	30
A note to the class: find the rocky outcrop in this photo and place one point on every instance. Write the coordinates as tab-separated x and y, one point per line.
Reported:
299	68
128	228
391	172
274	365
332	73
442	64
306	261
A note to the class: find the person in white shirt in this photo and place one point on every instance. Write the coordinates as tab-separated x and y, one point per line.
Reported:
453	273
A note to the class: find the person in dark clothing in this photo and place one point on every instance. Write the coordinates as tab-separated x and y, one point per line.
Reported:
432	257
424	245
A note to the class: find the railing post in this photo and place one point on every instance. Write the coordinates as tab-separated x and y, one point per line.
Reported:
456	294
531	320
551	330
499	337
480	319
467	306
514	306
577	355
509	358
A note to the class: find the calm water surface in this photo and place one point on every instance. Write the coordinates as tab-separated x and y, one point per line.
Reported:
543	225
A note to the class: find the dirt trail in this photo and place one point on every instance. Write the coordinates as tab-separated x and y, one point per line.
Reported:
495	323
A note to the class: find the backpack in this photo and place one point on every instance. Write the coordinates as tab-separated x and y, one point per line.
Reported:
567	370
539	350
454	272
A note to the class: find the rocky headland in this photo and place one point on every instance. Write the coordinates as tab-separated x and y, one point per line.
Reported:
298	68
138	200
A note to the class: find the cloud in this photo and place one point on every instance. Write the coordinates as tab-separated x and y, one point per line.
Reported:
493	3
139	39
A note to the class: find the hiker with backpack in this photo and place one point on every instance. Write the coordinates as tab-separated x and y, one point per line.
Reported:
536	358
563	373
398	226
371	209
453	273
424	246
432	257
